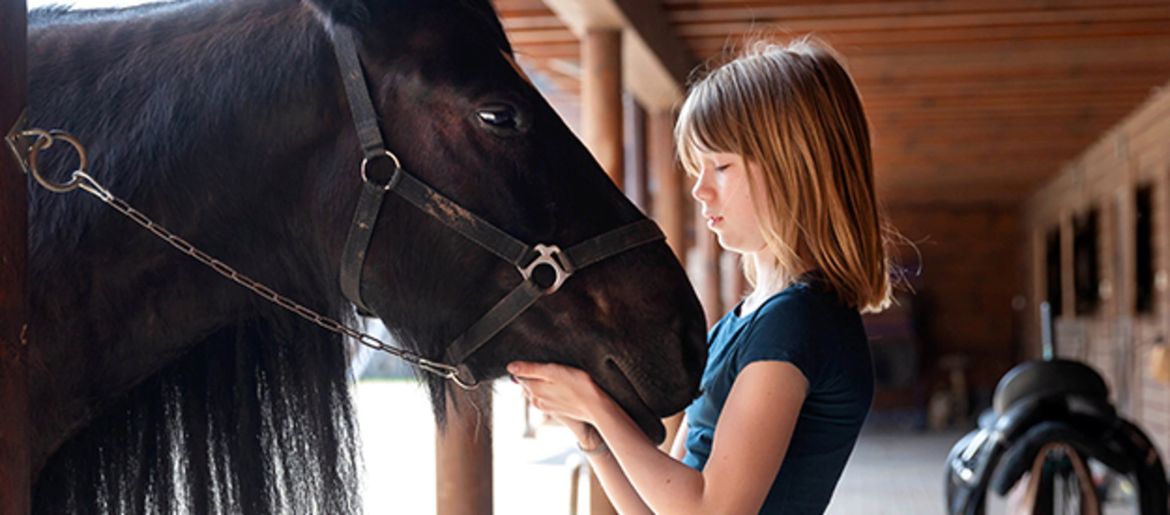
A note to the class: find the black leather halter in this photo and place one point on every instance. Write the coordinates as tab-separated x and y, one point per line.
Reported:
526	258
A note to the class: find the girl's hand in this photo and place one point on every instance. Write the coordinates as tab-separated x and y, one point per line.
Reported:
567	394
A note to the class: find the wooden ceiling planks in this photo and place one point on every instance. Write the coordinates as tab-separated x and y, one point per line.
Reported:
970	101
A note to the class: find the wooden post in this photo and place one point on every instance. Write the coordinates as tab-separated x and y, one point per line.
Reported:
601	99
637	185
668	202
463	455
602	120
670	196
1068	284
15	479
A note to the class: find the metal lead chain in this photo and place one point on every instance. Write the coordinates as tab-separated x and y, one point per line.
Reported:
81	179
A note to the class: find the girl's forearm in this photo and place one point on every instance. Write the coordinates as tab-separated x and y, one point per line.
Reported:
621	493
666	485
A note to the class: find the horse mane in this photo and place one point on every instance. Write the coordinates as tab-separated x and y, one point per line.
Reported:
256	417
174	98
59	14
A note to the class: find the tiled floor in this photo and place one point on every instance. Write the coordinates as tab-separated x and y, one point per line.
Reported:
902	473
894	472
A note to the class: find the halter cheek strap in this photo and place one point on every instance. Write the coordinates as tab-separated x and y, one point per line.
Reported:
526	258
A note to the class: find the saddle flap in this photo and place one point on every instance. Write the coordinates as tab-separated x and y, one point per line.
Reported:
1088	442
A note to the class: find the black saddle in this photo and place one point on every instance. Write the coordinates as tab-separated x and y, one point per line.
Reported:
1042	402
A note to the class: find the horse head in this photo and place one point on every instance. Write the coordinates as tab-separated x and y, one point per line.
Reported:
459	114
227	123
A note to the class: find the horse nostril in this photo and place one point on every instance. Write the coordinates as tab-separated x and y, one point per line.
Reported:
611	366
610	362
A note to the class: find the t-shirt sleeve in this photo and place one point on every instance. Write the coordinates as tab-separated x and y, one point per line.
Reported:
784	330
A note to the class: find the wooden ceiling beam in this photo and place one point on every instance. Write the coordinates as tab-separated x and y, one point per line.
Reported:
655	62
1029	138
1003	148
727	10
973	194
545	29
969	101
1039	86
704	21
541	36
958	37
1033	117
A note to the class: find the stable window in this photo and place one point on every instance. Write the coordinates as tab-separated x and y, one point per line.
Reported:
1052	287
1143	227
1086	269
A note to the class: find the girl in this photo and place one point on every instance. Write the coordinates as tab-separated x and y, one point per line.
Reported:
780	146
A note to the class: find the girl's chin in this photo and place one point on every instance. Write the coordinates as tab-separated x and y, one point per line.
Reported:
728	244
732	245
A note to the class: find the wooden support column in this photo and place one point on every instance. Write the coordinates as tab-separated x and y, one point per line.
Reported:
463	455
655	60
656	64
602	121
637	178
601	98
15	481
1068	281
668	201
670	195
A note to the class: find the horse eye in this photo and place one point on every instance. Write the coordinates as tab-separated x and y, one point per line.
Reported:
499	116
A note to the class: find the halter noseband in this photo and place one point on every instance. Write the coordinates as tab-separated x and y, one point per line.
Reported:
526	258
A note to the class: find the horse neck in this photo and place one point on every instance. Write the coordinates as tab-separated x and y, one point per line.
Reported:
207	118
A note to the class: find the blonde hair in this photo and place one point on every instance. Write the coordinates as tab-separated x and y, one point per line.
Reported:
794	112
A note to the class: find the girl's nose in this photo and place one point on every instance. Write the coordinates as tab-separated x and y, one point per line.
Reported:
702	189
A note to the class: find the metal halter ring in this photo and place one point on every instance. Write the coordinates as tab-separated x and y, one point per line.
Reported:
44	140
464	378
460	375
397	166
550	255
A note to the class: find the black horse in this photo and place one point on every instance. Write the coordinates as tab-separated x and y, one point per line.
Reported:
159	387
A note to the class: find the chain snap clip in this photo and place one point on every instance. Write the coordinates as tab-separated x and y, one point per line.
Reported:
41	140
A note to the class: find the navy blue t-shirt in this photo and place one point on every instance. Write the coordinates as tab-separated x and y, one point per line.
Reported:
806	325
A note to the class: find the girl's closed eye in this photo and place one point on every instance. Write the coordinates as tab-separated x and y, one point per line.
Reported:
722	168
